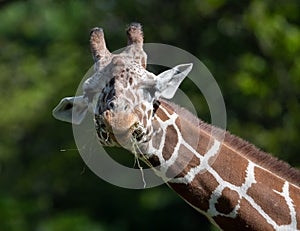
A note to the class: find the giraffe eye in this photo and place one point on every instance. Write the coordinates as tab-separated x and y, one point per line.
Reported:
111	105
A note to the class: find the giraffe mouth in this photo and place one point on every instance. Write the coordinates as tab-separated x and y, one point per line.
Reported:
138	131
108	138
112	133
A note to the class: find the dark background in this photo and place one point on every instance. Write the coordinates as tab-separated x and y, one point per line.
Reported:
252	48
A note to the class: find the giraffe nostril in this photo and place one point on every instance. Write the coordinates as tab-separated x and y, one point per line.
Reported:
106	114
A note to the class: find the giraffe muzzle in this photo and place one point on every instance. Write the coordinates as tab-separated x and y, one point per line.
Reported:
121	129
119	122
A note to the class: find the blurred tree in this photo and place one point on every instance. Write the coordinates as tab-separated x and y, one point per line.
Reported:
251	47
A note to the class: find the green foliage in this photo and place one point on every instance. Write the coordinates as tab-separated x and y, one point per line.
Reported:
251	47
69	221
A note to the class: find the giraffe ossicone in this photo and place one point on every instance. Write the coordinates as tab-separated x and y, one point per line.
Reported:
237	186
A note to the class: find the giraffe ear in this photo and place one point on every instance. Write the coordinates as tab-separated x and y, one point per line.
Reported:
71	109
169	81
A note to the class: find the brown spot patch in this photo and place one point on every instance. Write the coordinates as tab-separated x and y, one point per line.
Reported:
231	166
149	114
157	136
228	223
161	114
271	202
269	179
138	113
185	161
170	110
228	201
248	219
154	160
295	196
143	107
198	192
197	139
145	120
171	141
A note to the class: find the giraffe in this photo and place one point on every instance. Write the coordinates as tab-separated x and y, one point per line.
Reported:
233	183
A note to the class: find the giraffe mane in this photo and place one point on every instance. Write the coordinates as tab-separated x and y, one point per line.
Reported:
242	147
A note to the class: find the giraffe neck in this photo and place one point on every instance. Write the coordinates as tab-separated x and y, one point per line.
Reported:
234	184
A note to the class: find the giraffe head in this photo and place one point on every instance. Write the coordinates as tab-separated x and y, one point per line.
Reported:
121	92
